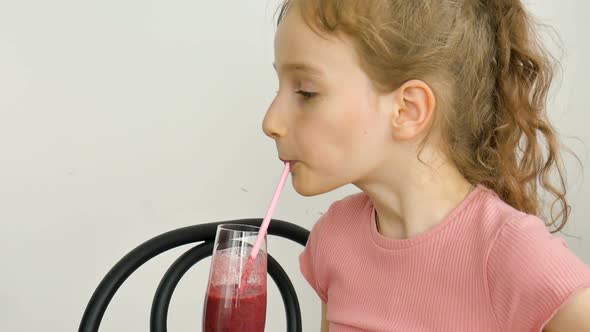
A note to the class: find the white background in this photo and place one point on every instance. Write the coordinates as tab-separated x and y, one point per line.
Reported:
120	120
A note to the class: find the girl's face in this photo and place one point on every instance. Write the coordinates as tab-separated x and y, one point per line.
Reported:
326	118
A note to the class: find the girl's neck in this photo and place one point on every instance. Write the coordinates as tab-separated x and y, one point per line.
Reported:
411	202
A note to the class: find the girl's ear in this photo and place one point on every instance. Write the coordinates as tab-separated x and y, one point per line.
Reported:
414	110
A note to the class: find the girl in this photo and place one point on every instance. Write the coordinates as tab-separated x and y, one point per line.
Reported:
435	109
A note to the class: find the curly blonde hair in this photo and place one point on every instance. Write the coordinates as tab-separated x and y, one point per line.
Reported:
490	74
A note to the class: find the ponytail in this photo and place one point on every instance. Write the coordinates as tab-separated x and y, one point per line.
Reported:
521	151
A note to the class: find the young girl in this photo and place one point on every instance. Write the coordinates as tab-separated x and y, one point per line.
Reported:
435	109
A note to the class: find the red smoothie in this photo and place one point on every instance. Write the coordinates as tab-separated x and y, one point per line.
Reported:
243	313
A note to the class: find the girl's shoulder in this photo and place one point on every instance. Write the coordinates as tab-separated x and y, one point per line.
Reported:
351	209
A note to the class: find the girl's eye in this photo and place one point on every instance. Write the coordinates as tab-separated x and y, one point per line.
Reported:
306	94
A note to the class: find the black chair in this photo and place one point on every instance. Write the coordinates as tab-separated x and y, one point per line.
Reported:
203	234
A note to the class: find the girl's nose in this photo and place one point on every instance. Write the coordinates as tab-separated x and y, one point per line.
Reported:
274	125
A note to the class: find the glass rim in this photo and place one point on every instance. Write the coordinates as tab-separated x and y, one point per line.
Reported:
243	228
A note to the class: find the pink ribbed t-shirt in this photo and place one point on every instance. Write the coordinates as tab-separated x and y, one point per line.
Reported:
486	267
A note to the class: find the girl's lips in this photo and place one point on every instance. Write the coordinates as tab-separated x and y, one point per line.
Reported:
292	163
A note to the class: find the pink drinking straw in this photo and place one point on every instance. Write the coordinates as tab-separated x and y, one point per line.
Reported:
270	211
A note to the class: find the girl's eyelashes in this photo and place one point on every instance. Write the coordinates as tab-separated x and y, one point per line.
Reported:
306	94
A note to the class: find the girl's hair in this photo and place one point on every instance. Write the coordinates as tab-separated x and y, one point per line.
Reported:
490	75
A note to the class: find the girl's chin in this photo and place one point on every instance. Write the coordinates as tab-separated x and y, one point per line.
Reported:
309	187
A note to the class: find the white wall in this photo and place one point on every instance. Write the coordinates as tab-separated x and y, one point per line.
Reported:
120	120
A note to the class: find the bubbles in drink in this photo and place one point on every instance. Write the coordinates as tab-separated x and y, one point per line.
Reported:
228	267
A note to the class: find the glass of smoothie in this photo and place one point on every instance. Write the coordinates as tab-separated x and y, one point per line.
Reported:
236	292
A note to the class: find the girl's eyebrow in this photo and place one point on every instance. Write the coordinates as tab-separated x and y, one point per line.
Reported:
299	66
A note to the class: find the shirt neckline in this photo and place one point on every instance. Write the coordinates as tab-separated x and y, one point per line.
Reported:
398	244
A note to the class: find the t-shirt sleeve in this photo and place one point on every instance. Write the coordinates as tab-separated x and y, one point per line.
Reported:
309	261
531	275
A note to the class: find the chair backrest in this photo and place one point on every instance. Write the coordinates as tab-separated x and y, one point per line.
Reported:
203	234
